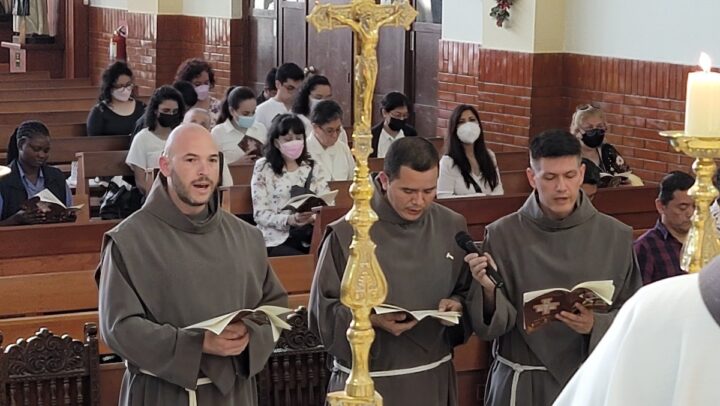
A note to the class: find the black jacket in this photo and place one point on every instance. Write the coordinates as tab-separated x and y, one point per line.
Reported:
407	131
14	194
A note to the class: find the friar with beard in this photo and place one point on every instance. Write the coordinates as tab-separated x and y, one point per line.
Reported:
178	261
556	240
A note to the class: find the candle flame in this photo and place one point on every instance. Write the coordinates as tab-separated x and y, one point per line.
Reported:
705	62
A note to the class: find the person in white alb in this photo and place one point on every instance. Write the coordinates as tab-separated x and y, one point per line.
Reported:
315	89
237	134
288	79
395	109
324	144
468	166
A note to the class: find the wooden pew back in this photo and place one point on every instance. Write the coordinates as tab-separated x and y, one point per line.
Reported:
65	150
97	164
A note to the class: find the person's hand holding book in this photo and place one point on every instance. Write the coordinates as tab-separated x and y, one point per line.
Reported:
233	340
301	219
394	323
581	322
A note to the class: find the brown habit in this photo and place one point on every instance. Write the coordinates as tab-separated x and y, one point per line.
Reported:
534	252
422	265
161	271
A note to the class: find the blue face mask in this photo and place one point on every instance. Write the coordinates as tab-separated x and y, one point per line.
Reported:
245	121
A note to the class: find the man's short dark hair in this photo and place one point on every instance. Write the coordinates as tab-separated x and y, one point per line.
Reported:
325	112
592	172
673	181
288	71
554	144
416	153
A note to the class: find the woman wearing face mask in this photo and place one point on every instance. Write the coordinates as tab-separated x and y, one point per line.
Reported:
315	89
117	110
201	75
236	133
165	112
589	126
285	167
468	166
29	175
395	111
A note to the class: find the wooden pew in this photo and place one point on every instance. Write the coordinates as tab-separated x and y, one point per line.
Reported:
30	75
65	150
29	106
94	164
52	93
57	131
512	161
47	117
20	83
241	173
237	199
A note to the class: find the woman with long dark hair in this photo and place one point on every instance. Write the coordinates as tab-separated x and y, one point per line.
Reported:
468	166
284	171
237	134
117	109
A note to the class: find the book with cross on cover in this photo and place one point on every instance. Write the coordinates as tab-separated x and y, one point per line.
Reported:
541	306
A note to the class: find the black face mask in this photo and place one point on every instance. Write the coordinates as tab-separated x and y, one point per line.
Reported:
594	138
396	124
169	120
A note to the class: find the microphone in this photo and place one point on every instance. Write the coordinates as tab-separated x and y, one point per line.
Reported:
466	242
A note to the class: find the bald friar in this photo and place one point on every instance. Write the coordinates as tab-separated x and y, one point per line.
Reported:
178	261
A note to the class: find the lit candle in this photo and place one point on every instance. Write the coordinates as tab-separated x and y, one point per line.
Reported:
702	107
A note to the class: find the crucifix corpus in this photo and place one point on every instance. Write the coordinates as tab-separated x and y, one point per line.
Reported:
363	284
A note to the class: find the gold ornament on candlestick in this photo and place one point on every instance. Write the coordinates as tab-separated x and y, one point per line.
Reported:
363	285
702	242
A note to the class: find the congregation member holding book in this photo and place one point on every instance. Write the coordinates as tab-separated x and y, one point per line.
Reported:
590	127
30	175
468	167
556	242
172	279
240	137
421	321
286	171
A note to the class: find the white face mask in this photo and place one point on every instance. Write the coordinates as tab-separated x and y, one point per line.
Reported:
469	132
122	94
313	103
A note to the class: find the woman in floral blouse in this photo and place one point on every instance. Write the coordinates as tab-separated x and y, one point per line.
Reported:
285	167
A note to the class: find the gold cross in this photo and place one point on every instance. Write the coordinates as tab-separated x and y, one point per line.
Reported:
363	285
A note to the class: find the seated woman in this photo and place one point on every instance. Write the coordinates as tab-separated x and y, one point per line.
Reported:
186	89
29	175
164	112
117	110
468	166
395	109
285	171
315	89
237	134
589	126
324	144
201	75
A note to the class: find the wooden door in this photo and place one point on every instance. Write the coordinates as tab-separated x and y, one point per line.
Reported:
330	53
263	43
424	50
392	66
292	42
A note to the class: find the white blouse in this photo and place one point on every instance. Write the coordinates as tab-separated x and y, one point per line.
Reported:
271	192
337	160
385	141
228	138
451	182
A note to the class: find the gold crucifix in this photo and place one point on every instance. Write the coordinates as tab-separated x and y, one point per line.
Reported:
363	285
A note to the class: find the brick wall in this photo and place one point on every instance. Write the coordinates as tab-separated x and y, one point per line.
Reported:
520	94
158	44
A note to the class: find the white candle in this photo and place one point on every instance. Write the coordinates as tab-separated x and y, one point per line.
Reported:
702	106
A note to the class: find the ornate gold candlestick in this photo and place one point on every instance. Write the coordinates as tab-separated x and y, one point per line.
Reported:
702	243
363	285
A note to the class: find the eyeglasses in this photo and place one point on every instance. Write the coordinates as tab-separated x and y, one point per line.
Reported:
128	85
587	107
331	131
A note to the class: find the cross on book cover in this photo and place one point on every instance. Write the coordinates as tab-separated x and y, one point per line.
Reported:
541	306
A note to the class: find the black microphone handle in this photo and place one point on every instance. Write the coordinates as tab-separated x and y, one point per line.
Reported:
491	272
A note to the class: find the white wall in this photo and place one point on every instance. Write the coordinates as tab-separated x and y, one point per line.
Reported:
463	20
673	31
120	4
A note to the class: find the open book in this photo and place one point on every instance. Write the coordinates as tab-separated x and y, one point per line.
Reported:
451	317
610	180
541	306
307	202
261	315
55	211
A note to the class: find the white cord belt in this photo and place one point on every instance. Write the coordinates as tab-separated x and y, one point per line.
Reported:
398	372
192	395
518	369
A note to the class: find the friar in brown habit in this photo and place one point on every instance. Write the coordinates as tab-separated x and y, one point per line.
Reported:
410	361
556	240
178	261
